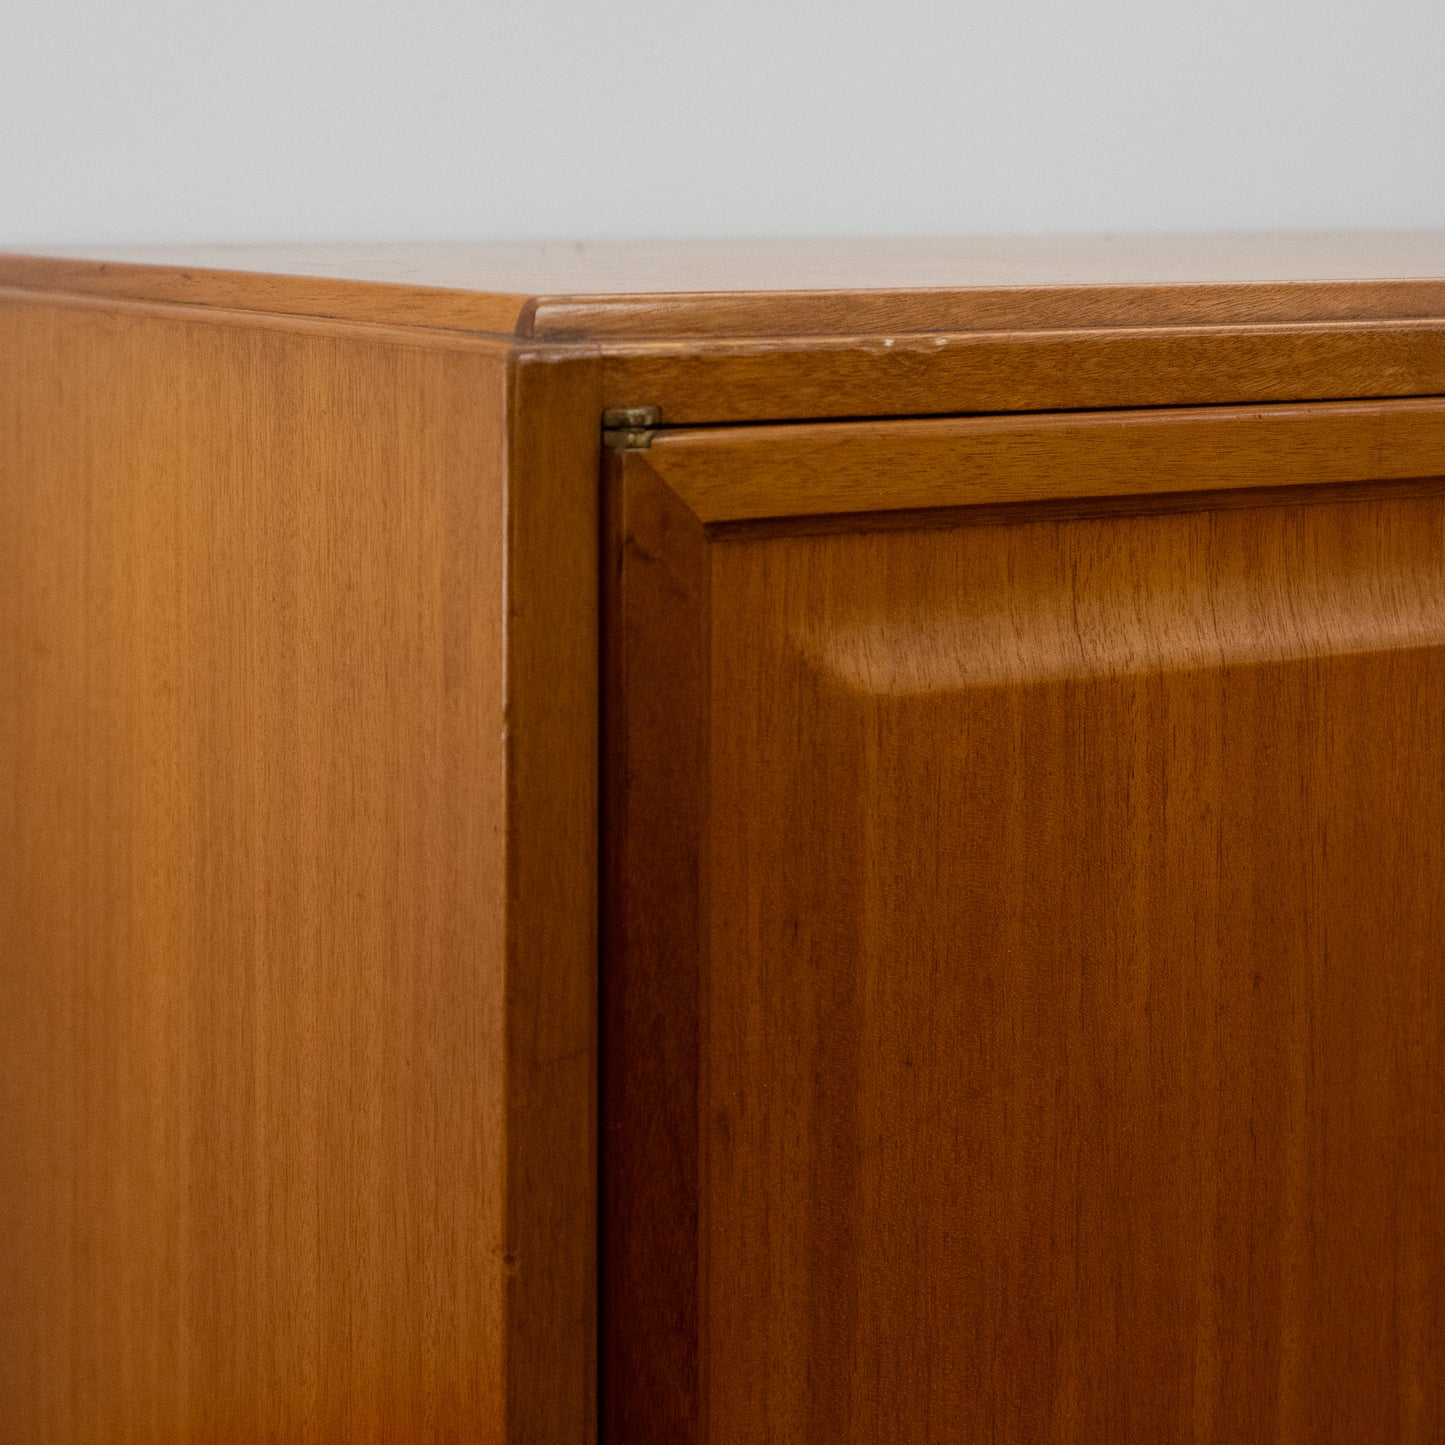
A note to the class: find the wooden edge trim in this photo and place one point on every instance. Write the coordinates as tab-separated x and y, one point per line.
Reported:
739	315
382	302
550	732
428	338
939	342
751	473
663	315
720	381
850	378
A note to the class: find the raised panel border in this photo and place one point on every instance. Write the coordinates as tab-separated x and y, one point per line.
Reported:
749	474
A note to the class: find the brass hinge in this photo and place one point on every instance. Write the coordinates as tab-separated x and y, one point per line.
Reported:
630	428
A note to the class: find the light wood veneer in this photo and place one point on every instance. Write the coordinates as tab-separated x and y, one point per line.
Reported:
905	904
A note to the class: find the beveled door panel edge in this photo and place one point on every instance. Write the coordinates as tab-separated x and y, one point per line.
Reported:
744	474
655	707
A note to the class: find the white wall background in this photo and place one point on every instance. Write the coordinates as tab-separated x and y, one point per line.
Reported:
137	120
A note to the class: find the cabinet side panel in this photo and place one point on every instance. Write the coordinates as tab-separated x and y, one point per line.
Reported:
252	883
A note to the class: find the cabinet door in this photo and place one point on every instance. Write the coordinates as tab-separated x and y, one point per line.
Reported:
1024	987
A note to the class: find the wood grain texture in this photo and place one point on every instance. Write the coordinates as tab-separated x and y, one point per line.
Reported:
883	375
792	379
748	332
635	290
749	473
655	731
1062	932
296	1086
923	311
1019	984
551	729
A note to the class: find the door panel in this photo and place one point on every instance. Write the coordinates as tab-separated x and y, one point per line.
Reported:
1026	953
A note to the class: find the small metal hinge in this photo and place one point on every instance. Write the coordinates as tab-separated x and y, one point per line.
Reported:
630	428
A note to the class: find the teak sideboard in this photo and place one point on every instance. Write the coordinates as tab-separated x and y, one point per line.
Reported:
724	845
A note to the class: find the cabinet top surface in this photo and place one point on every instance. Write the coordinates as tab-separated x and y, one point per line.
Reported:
627	291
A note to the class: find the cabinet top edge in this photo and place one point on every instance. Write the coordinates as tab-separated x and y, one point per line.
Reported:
648	291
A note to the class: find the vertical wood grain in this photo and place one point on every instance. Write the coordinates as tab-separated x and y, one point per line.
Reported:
551	728
280	1069
655	748
1067	979
1075	1058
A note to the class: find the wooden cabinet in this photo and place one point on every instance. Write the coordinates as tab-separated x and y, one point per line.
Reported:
709	845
